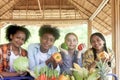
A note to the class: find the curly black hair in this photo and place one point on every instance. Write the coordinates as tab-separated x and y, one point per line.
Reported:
49	29
13	29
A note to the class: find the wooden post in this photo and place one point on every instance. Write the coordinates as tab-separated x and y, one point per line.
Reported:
116	33
89	32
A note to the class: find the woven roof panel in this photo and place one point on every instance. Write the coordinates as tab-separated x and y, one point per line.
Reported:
57	9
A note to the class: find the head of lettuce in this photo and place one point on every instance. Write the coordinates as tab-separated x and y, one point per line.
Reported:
21	64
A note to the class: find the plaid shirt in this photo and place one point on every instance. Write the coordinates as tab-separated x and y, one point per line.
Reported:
4	56
88	58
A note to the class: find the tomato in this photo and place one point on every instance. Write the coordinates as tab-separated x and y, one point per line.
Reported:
64	46
80	47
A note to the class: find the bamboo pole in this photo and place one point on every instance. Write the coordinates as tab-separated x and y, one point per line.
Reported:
116	33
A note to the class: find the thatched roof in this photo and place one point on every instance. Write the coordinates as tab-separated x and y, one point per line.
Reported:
99	11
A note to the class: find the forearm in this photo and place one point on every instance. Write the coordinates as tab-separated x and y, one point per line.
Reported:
92	65
79	61
9	74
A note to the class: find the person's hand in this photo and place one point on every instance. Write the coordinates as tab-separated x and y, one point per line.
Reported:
93	65
81	50
51	62
22	73
82	47
103	56
63	50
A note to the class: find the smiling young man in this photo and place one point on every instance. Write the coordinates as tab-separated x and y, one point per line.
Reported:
39	54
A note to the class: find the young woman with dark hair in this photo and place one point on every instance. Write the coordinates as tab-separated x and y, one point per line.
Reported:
17	36
99	51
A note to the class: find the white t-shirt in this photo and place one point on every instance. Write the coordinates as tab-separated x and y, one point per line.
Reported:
42	57
12	58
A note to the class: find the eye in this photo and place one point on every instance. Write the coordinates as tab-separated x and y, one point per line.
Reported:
51	40
74	40
23	39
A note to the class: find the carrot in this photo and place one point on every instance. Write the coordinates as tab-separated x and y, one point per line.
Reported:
53	78
42	77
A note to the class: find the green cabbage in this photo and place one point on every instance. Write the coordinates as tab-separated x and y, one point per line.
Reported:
20	64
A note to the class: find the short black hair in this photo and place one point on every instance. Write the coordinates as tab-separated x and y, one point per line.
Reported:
13	29
49	29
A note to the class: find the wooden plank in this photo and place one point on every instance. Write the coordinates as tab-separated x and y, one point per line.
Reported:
89	32
116	33
100	7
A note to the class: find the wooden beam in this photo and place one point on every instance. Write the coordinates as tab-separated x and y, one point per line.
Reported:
39	5
100	7
116	33
89	32
9	20
97	6
62	22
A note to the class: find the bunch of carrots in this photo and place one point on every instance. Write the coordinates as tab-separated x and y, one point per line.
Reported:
46	73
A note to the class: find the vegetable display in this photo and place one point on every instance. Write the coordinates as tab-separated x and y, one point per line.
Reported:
78	73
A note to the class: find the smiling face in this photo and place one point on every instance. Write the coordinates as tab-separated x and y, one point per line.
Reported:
47	41
18	39
97	43
71	41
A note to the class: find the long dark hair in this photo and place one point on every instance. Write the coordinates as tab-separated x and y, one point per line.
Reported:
100	36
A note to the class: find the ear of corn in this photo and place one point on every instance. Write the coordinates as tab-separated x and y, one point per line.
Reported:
72	77
68	77
76	66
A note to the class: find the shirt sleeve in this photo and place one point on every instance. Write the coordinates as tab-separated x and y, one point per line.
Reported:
78	60
32	50
1	65
112	58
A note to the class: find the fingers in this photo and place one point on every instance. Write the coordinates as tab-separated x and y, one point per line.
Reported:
79	54
63	50
22	73
60	47
81	47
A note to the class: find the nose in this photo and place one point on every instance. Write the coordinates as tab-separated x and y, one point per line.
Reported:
48	41
95	42
21	41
